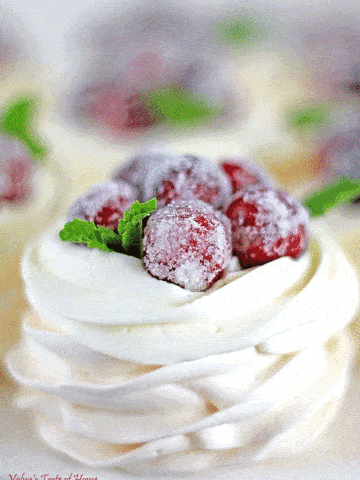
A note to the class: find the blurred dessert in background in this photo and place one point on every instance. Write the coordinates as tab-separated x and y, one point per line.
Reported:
31	182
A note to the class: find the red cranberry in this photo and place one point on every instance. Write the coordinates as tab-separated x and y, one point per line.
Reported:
267	224
340	155
137	168
187	243
104	204
187	177
15	179
242	174
115	107
16	171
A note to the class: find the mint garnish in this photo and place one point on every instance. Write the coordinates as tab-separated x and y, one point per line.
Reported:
174	104
81	231
130	227
238	29
342	190
17	121
128	239
307	117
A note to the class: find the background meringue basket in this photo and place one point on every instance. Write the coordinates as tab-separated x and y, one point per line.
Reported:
32	196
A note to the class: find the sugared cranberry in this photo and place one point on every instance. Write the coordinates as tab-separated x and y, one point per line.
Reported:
242	174
16	171
115	107
340	155
267	224
187	177
187	243
15	179
104	204
137	168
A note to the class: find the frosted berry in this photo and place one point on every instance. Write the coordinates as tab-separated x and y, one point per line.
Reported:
187	177
104	204
267	224
16	171
340	155
15	180
136	169
115	107
187	243
242	174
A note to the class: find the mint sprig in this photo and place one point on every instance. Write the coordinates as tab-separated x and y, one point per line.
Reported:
17	121
174	105
238	29
128	239
340	191
130	227
307	117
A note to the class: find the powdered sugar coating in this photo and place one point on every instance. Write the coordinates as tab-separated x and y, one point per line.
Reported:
187	243
242	174
187	177
104	204
267	224
138	167
16	171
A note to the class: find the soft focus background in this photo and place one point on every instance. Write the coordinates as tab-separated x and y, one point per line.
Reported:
48	28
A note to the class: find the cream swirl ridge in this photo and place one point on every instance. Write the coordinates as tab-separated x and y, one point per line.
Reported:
109	303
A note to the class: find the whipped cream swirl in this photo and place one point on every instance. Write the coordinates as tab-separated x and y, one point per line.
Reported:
122	369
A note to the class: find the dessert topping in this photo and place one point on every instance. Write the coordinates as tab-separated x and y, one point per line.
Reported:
242	174
127	239
115	106
306	117
104	204
341	190
15	179
176	104
187	243
187	177
267	224
17	122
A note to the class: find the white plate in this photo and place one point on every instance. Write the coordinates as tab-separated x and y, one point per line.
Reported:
335	457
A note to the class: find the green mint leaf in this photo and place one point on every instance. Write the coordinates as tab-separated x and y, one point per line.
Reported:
81	231
128	240
174	105
130	227
342	190
238	30
307	117
17	121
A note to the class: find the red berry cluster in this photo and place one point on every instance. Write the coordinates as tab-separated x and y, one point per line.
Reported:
206	212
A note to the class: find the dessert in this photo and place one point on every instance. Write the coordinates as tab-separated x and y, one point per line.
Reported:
146	66
271	93
123	369
30	198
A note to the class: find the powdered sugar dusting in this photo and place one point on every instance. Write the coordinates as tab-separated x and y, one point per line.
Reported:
187	176
187	243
